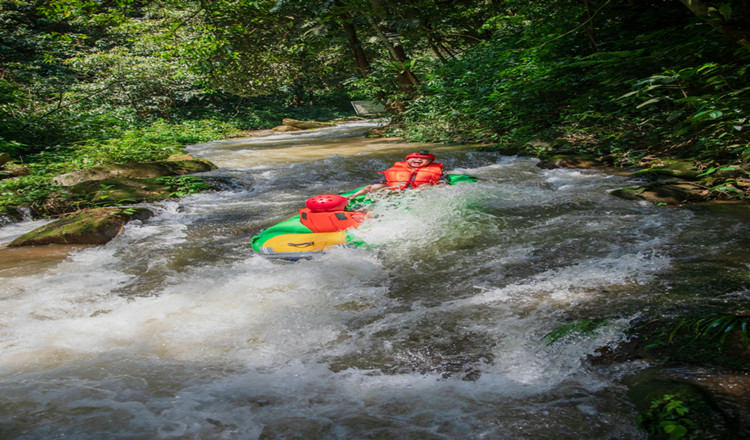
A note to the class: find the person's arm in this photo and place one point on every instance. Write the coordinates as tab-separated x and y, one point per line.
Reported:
369	188
364	190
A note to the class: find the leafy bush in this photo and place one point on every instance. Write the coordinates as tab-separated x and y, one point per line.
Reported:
667	418
154	142
650	80
181	186
715	327
24	192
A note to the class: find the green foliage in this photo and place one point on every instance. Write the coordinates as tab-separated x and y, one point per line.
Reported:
700	337
154	142
583	327
183	185
667	418
24	192
715	327
82	72
647	80
707	99
510	87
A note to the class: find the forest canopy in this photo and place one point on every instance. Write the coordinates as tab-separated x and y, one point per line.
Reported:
84	82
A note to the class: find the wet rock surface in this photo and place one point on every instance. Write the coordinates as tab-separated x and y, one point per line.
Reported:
671	182
89	226
135	170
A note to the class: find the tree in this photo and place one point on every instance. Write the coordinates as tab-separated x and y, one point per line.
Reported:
265	46
731	18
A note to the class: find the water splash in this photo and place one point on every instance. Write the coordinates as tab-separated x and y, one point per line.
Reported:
175	329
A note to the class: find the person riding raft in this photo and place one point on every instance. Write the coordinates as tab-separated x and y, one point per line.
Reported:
418	169
327	212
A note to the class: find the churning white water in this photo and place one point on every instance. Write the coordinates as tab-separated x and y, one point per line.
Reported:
434	329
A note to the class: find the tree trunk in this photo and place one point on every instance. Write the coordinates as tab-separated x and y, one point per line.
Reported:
398	55
363	63
736	30
589	25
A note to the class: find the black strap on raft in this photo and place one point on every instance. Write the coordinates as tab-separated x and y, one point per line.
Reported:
307	243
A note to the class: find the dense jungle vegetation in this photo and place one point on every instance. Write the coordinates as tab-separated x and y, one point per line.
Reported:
86	82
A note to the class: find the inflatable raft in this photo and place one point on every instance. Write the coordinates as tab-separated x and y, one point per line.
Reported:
323	223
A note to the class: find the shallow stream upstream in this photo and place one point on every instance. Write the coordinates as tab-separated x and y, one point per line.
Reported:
434	330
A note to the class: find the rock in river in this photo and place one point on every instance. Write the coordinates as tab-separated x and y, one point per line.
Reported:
89	226
135	170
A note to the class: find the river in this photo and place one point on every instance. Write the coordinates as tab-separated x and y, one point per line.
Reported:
435	330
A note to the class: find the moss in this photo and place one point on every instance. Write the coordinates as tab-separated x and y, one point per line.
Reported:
571	161
91	226
140	170
683	169
668	193
120	191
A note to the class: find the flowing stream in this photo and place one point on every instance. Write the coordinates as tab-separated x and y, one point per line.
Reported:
434	330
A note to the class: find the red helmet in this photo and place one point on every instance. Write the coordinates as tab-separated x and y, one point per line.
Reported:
326	203
420	155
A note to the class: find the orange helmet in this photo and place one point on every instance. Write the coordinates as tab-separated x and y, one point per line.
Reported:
326	203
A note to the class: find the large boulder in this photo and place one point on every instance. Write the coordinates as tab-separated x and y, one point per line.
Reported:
672	194
670	168
135	171
121	191
285	129
306	125
89	226
570	161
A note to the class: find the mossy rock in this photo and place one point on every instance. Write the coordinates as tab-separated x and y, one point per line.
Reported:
121	191
89	226
670	168
285	129
671	194
306	125
135	170
571	161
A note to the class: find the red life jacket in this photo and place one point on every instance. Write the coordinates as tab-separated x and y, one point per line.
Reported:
402	176
330	221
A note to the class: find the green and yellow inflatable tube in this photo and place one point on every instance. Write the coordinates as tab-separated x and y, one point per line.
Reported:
291	240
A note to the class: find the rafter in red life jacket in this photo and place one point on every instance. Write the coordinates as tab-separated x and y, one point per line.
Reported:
402	176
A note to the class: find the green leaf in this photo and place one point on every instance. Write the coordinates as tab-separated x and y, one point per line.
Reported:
650	101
